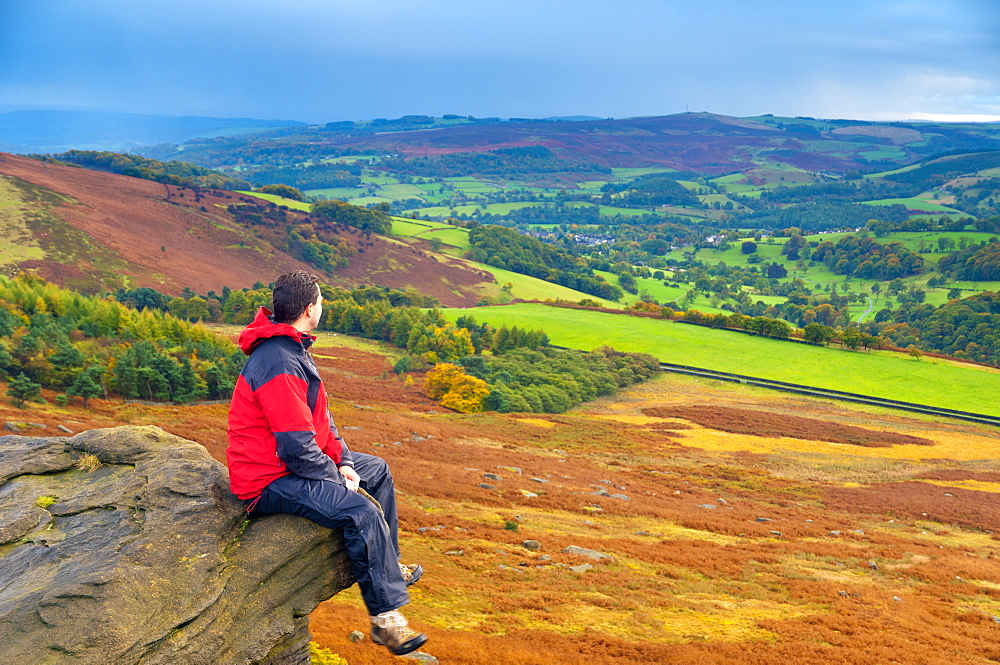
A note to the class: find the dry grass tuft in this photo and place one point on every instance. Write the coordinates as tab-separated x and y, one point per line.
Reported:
88	463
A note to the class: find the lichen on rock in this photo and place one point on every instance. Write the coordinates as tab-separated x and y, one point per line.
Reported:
147	557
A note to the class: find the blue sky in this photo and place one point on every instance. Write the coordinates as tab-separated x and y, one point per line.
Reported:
325	60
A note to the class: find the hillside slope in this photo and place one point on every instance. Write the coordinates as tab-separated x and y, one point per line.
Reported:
705	143
737	526
96	231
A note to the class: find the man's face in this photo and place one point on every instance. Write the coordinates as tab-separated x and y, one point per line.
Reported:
314	312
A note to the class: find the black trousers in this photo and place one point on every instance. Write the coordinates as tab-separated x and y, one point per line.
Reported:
372	543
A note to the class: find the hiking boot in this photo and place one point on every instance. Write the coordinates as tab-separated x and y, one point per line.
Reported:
391	631
411	573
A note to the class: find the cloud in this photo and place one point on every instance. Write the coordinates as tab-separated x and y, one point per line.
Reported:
323	60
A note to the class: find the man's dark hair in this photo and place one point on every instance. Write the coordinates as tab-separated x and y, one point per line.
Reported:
293	292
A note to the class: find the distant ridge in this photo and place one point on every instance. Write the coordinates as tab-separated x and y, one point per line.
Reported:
57	131
573	118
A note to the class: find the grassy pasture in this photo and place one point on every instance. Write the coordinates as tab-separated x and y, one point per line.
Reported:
911	239
471	209
721	199
775	175
456	240
369	200
743	189
882	152
532	288
911	167
348	159
818	274
975	286
662	293
401	191
281	201
882	374
915	203
342	193
367	178
471	185
623	174
733	256
609	210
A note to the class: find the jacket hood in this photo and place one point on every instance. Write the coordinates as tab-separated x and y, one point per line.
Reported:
263	326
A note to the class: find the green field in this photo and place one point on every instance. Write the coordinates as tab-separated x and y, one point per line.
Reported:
281	201
400	191
882	152
368	179
472	209
609	210
471	185
915	203
532	288
912	239
818	274
523	286
343	193
624	174
454	237
881	374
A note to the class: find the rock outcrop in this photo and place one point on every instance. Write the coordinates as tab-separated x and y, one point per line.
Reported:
124	546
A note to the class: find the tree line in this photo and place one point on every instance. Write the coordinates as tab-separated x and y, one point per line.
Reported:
829	216
975	263
865	258
505	161
315	176
541	380
966	328
181	174
239	306
89	346
508	249
651	190
520	372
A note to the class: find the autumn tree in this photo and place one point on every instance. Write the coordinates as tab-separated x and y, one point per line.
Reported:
456	389
283	191
817	333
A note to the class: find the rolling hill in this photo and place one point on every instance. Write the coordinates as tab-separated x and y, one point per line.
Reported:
704	143
95	231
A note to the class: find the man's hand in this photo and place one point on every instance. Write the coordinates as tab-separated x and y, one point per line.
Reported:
351	478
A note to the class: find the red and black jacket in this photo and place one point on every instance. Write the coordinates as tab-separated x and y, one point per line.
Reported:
278	419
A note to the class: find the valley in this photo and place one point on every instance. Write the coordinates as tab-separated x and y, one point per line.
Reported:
579	512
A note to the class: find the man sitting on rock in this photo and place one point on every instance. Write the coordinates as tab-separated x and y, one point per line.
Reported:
285	456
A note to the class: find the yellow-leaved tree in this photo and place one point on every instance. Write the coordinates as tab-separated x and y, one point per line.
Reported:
456	389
